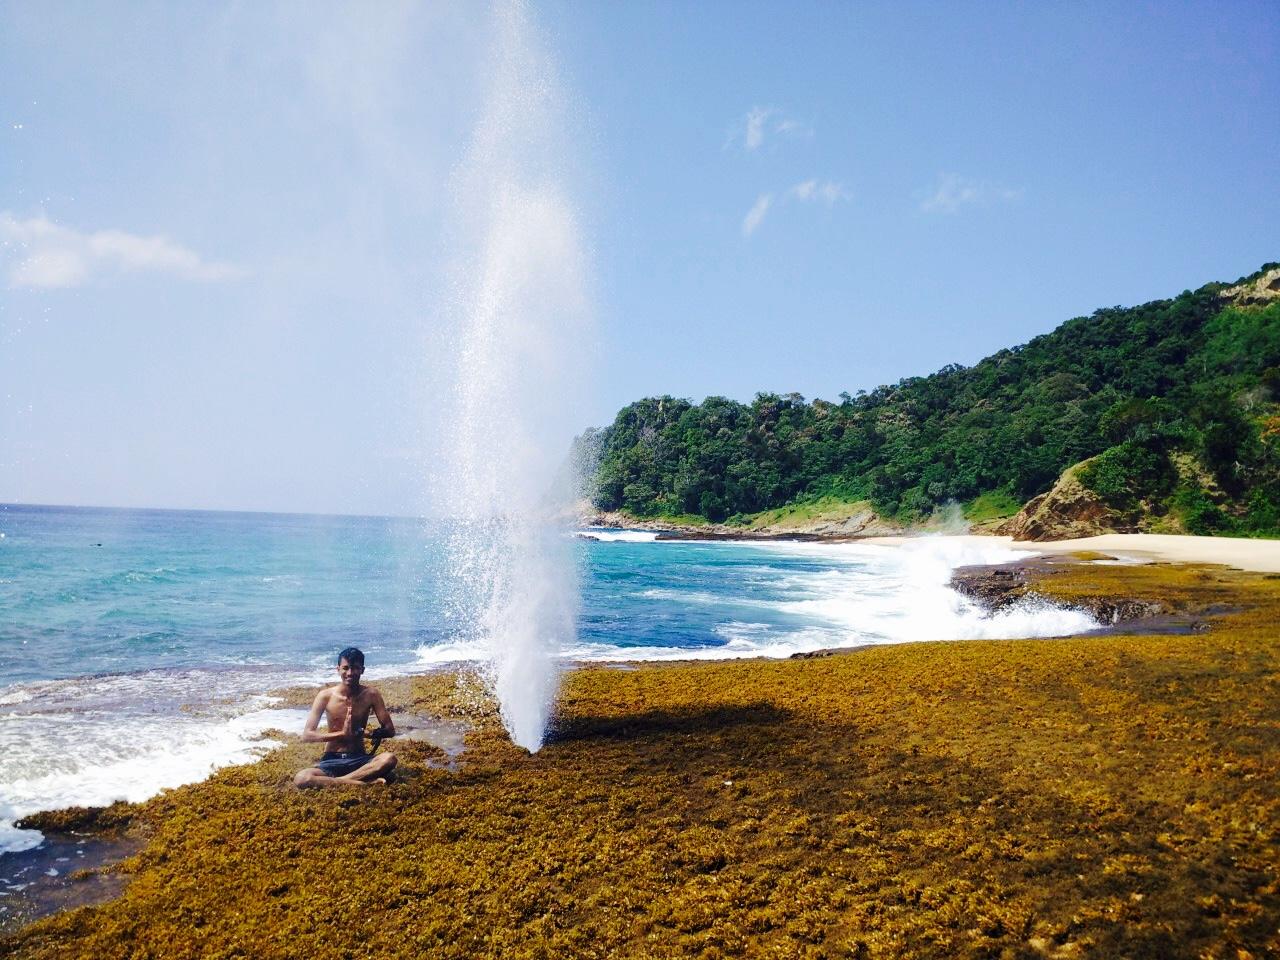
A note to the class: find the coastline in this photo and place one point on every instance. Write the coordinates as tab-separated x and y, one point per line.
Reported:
1258	556
1046	797
1242	553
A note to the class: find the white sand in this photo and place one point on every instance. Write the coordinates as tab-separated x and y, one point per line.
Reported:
1260	555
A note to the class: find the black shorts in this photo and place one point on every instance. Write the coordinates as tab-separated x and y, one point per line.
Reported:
340	764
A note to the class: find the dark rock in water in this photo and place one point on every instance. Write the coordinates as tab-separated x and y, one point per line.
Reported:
1119	610
997	586
994	587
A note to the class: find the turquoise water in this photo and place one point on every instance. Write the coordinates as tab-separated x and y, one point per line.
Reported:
93	591
86	591
175	626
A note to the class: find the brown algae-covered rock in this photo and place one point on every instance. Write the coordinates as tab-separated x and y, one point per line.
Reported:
1103	796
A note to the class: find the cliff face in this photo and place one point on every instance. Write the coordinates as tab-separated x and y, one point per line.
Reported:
1067	511
1262	291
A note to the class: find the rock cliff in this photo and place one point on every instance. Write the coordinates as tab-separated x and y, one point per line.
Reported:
1264	290
1067	511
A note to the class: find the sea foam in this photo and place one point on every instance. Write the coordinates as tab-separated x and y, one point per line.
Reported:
91	741
520	315
801	597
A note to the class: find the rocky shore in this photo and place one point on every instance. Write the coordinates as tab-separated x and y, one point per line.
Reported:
838	526
998	586
1113	795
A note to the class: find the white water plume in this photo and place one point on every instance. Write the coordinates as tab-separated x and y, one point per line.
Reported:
521	316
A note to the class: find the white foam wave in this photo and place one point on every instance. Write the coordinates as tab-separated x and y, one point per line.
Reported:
95	762
865	594
706	598
912	599
618	536
456	651
91	741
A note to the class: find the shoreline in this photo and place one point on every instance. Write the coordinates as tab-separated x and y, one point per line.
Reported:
662	777
1243	553
1256	556
1065	552
1071	797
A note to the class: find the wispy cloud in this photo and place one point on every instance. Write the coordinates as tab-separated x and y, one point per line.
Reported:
820	191
761	123
751	222
827	192
756	119
44	254
953	191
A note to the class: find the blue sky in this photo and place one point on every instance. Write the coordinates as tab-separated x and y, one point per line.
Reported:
224	230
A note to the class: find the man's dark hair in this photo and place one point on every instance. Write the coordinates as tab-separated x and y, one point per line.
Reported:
352	656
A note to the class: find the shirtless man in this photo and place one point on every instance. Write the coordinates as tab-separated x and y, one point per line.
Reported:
345	762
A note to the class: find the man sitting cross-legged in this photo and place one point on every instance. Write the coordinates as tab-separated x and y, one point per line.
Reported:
345	762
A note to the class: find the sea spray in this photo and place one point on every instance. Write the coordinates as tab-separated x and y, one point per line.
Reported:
519	308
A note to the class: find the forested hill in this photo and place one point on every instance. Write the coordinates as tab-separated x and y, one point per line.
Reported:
1177	400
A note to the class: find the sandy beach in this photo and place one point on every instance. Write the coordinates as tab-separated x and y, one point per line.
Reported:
1261	556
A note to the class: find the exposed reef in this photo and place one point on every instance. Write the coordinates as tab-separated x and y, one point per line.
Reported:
998	586
1105	796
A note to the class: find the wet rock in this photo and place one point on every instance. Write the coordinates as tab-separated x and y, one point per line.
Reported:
997	586
994	587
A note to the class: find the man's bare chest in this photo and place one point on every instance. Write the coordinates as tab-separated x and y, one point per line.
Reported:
357	707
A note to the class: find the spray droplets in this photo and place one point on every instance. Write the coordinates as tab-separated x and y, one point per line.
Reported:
521	313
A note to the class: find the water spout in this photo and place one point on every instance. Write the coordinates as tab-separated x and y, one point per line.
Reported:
520	313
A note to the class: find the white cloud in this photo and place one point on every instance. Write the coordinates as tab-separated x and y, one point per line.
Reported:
755	215
953	191
763	122
44	254
756	118
828	192
824	191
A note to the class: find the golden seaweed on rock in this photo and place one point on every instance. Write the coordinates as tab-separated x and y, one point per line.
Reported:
1099	796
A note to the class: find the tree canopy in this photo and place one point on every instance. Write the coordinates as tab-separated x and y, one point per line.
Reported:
1195	375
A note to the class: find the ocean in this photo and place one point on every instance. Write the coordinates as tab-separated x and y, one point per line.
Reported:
141	646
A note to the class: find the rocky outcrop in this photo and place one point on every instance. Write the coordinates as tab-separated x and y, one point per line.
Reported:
997	586
861	523
1068	511
855	525
992	586
1260	292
